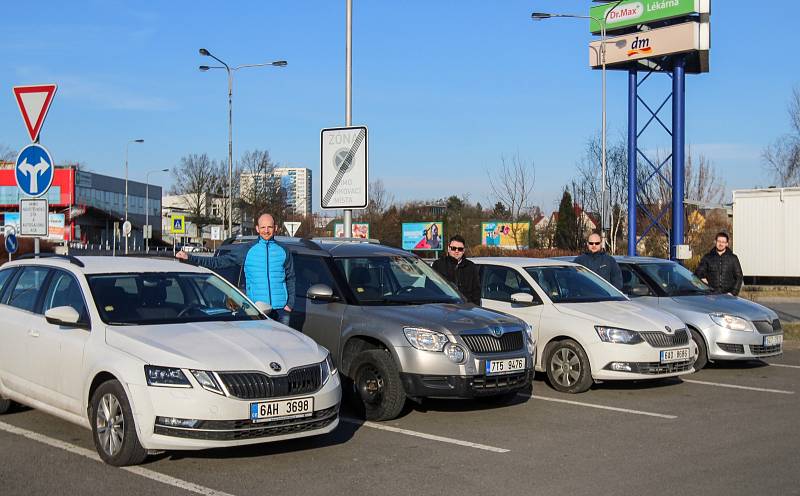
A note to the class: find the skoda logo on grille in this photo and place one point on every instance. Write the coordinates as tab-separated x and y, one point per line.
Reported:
668	329
496	331
275	366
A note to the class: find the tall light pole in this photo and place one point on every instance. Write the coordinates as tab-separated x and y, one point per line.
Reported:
538	16
230	70
126	185
147	205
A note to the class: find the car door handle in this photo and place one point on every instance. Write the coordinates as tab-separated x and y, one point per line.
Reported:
33	333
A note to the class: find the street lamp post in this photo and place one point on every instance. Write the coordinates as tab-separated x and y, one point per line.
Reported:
538	16
147	206
126	185
230	70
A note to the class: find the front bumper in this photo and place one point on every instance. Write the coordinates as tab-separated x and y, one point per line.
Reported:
724	344
224	421
641	361
452	386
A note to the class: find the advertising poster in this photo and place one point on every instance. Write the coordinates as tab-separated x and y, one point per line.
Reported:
422	236
360	230
56	229
501	234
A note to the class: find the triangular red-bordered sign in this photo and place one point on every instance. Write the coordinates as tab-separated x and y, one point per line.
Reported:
34	102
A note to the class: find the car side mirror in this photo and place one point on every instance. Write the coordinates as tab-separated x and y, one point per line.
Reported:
264	308
321	292
523	299
64	316
640	290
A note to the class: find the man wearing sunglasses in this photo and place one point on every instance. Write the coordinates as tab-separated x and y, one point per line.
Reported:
455	267
600	262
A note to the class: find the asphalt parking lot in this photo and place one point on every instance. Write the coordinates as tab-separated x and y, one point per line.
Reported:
729	429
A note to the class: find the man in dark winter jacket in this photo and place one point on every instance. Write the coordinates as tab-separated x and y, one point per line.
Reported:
462	272
720	268
600	262
267	266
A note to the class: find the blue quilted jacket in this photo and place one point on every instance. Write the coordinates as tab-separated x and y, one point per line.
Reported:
268	269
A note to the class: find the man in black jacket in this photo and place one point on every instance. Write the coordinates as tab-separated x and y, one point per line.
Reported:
720	268
600	262
462	272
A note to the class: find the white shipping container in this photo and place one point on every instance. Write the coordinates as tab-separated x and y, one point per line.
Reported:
766	231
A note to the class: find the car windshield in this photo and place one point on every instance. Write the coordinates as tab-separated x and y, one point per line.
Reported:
675	279
395	280
573	284
168	298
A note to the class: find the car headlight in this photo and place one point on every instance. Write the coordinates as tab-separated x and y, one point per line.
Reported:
731	322
531	340
207	381
165	377
328	369
425	339
617	335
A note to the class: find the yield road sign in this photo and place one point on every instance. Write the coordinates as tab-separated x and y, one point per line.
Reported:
11	244
291	227
343	167
34	170
34	102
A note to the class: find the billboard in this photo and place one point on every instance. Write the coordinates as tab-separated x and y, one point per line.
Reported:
635	12
56	225
678	38
422	236
360	230
502	234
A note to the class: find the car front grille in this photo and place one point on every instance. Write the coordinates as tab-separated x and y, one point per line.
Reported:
482	384
764	326
757	349
655	368
731	348
486	343
256	385
232	430
776	325
658	339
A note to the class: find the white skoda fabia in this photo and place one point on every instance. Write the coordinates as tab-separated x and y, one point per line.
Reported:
586	329
156	355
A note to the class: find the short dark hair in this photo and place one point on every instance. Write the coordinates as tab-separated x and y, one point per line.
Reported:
722	234
458	238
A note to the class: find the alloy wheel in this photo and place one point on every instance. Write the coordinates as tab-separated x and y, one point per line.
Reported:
110	424
566	367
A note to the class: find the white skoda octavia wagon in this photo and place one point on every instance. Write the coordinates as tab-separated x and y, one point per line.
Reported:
156	355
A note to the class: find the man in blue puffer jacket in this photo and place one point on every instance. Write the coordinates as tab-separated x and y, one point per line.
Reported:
268	268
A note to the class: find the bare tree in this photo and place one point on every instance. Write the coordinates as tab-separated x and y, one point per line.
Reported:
6	154
703	185
261	189
783	155
511	184
195	180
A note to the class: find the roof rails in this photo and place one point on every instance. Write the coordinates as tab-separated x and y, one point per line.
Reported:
70	258
350	240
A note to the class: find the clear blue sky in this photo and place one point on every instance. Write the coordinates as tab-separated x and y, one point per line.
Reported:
446	87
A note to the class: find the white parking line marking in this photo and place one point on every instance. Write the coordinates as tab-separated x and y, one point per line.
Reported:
784	365
423	435
149	474
735	386
603	407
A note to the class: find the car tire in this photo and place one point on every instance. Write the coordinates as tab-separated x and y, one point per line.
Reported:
5	405
377	384
568	368
113	427
702	351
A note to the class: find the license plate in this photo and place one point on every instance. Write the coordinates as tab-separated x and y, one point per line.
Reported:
494	367
267	411
773	340
679	355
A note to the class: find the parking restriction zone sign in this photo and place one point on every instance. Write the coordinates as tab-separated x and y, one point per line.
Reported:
343	167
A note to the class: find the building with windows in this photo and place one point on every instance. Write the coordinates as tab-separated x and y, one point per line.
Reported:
297	183
90	204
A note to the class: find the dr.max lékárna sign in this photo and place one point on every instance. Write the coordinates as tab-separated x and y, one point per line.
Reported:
632	13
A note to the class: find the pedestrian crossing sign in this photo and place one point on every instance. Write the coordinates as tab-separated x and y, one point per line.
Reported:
178	224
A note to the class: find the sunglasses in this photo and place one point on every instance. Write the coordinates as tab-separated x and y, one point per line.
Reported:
456	248
593	243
